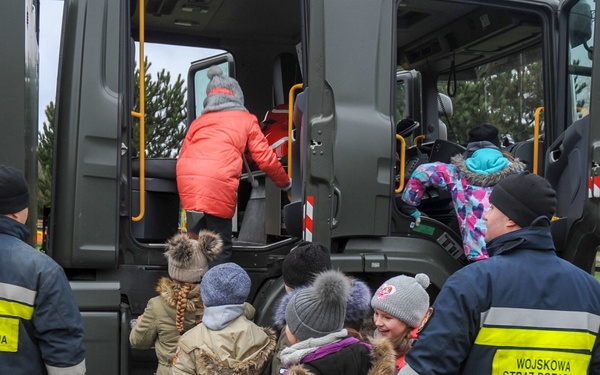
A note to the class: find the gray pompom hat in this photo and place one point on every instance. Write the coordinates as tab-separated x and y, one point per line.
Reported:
404	297
188	259
319	309
223	93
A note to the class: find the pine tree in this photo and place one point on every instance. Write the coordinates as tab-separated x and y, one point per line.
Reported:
166	111
45	149
506	99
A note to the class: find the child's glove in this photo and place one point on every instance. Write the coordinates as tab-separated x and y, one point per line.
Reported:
417	216
411	211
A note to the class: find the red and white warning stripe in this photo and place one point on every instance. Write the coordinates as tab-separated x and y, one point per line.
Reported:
308	218
594	187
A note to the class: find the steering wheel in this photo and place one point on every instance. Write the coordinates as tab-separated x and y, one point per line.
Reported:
406	126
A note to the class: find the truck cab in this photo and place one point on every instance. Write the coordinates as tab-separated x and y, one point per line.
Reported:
348	71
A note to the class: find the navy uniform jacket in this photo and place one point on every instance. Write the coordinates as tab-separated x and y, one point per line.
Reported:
522	311
41	330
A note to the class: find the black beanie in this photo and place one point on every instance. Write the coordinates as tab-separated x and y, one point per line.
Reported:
485	132
524	197
304	262
14	192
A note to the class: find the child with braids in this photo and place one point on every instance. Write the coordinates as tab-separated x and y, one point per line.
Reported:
179	306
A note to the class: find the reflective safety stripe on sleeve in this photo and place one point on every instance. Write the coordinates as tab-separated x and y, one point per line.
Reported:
17	293
535	318
73	370
538	329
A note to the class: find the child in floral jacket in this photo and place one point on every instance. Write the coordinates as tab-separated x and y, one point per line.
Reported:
470	178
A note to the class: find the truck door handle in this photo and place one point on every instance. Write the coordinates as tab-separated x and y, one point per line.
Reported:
336	206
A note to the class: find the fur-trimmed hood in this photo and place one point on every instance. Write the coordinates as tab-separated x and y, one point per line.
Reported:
383	359
165	288
484	180
251	366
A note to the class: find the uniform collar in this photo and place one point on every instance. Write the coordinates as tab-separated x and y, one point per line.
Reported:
13	228
530	238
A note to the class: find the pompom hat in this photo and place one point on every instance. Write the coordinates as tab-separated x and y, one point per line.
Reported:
188	259
319	309
223	93
404	297
225	284
358	306
14	192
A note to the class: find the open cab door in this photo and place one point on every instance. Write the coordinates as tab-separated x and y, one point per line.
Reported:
571	160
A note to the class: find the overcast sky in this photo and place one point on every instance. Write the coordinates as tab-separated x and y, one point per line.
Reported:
175	60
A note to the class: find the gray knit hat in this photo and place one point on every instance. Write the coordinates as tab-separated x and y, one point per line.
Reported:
225	284
320	309
188	259
14	192
525	197
404	298
223	93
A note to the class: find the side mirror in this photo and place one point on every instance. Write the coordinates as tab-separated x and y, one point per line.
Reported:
580	24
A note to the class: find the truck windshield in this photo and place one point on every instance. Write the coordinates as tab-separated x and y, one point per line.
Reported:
505	93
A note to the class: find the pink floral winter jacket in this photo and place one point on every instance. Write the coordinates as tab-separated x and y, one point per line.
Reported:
470	182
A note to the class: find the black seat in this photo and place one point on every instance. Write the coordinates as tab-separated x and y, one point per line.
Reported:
566	170
161	218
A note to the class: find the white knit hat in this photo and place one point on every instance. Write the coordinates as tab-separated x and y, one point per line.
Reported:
404	298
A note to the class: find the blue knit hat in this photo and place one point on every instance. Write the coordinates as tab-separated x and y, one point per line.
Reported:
225	284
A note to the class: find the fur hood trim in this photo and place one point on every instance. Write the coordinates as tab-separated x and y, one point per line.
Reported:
214	365
165	288
384	357
484	180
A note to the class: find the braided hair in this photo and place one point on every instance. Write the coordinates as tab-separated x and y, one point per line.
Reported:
182	290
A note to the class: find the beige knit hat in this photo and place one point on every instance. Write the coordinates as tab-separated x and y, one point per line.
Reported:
188	259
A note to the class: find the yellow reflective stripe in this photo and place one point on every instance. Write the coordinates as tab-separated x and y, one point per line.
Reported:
16	309
539	362
535	338
17	293
9	335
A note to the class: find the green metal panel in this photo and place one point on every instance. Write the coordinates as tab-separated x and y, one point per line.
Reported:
19	91
99	303
349	160
90	111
